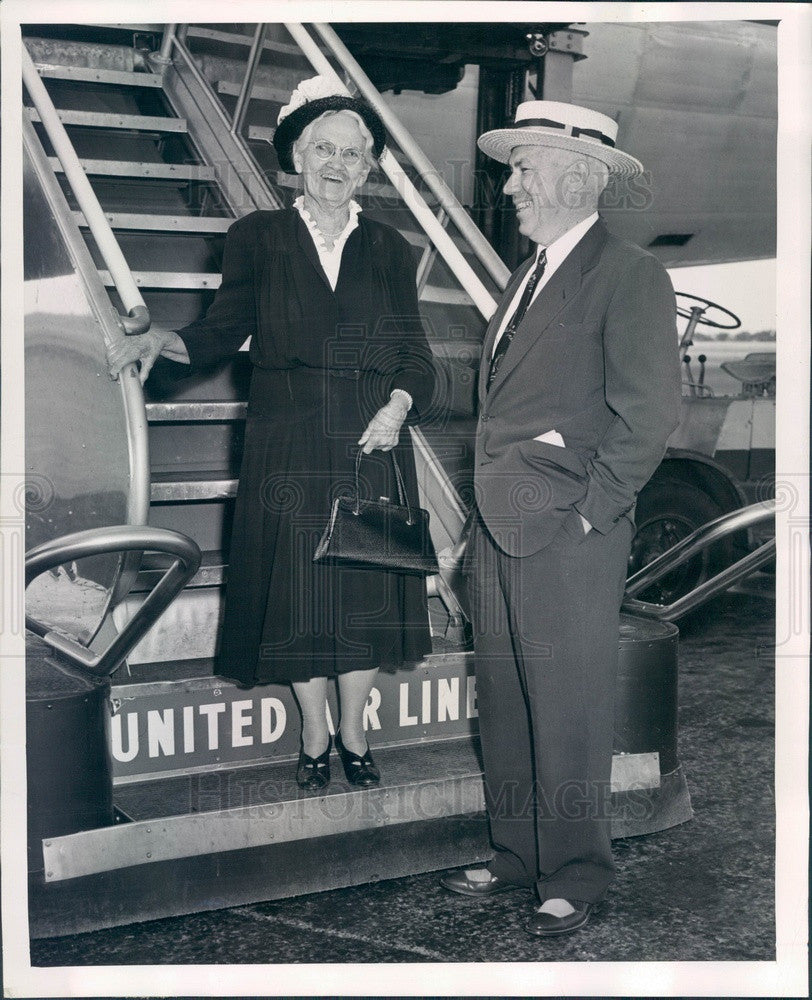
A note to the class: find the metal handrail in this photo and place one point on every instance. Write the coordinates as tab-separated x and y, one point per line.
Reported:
709	534
107	318
415	202
137	319
177	41
244	96
705	591
442	192
101	541
688	547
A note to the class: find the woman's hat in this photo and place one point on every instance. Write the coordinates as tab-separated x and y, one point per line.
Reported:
563	126
309	101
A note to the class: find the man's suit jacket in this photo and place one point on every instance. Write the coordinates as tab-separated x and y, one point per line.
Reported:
595	359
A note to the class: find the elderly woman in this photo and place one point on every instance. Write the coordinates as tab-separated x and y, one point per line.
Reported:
339	358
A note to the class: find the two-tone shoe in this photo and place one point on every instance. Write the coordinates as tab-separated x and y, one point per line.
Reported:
313	773
477	882
544	924
360	769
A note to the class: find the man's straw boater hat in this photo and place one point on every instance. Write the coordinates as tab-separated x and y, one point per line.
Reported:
563	126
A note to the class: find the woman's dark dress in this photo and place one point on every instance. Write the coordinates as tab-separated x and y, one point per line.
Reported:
324	362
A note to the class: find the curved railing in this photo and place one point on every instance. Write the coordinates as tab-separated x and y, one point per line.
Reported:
101	541
107	317
699	540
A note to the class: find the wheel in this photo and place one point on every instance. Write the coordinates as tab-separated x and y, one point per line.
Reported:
667	511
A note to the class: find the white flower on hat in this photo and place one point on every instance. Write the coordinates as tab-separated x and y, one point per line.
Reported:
310	90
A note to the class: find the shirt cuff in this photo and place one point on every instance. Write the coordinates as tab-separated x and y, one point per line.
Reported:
403	395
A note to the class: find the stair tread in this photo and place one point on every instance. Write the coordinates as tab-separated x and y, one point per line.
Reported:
170	279
258	93
191	475
182	487
100	119
192	411
210	574
261	132
233	38
274	782
89	74
164	223
136	168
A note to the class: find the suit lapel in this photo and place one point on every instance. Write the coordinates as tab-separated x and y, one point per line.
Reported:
558	292
308	247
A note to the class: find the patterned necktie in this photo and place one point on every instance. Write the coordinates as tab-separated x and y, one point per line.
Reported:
510	330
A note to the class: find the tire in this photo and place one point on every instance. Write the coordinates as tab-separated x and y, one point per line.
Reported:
667	511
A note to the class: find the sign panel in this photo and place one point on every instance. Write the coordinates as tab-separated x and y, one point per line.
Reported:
171	726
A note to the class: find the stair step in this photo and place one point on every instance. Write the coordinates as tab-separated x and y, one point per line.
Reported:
205	410
241	877
446	296
211	573
169	279
51	71
232	38
261	133
98	119
259	93
163	223
416	239
180	487
164	827
152	171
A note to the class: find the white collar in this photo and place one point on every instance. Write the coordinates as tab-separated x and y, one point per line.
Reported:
318	236
565	244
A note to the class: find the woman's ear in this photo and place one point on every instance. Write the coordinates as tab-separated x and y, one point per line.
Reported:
296	156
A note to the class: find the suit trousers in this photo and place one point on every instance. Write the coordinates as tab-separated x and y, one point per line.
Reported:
546	631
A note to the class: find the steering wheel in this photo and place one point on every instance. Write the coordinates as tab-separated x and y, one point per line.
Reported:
687	312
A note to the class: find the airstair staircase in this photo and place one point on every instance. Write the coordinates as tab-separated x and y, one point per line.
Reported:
171	177
209	813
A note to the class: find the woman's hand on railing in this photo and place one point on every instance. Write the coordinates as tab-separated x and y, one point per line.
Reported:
145	349
383	430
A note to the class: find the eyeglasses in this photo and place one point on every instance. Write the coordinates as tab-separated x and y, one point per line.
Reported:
326	151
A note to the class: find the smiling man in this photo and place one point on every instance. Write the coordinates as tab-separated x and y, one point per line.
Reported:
579	391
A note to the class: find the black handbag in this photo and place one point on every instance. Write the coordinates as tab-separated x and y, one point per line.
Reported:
378	533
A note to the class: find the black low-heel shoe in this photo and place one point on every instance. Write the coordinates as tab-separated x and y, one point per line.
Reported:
313	773
359	770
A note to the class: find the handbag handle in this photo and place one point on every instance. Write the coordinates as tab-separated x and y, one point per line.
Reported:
404	502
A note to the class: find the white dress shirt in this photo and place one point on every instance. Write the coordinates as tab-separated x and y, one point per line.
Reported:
557	253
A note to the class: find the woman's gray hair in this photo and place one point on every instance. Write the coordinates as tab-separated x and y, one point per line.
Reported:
300	143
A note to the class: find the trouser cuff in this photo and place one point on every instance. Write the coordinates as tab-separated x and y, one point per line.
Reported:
506	870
